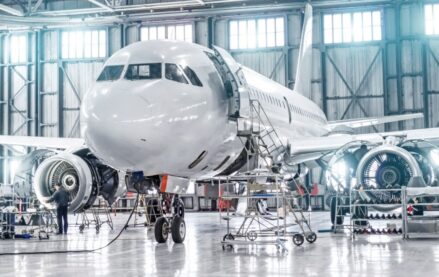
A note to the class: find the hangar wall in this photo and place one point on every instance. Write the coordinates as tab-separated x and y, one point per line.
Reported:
42	95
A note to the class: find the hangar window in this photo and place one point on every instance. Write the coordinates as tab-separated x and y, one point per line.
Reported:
84	44
18	48
181	32
192	76
111	73
256	33
352	27
144	71
174	73
431	12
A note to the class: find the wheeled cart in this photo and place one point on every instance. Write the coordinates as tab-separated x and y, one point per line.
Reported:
259	226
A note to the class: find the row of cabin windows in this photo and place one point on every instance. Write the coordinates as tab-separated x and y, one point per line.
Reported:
282	104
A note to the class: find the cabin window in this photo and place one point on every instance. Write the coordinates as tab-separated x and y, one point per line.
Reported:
110	73
174	73
192	76
144	71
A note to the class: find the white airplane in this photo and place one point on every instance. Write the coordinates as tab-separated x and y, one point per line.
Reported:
166	112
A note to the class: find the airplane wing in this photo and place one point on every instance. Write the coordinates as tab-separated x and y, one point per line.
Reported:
370	121
307	149
41	142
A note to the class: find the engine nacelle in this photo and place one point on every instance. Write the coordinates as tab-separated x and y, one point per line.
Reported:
81	175
389	166
72	173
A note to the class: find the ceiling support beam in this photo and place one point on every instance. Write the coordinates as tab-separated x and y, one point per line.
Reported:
99	4
11	10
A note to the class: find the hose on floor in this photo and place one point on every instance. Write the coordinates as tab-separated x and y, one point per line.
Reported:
82	250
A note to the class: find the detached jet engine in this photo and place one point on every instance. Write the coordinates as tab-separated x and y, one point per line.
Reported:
378	168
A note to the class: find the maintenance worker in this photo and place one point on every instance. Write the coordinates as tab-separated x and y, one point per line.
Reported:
61	199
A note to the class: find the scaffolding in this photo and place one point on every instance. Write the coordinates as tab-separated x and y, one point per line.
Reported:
259	226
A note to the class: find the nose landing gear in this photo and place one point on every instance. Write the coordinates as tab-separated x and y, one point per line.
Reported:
173	224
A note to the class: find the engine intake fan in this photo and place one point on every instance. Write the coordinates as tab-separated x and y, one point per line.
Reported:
389	167
81	175
72	173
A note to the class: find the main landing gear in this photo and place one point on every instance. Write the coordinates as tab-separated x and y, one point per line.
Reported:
174	224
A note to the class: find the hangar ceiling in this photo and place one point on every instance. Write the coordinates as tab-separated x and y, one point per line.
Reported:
66	12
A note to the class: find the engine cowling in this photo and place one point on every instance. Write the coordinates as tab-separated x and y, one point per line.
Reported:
388	167
81	174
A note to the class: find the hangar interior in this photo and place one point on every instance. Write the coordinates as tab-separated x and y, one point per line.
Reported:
370	58
44	74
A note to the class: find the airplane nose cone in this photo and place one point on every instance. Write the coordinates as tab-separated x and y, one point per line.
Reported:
113	122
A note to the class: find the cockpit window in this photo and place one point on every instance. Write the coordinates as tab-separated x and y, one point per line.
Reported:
174	73
110	73
192	76
144	71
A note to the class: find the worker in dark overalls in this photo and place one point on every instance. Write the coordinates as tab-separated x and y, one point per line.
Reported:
61	199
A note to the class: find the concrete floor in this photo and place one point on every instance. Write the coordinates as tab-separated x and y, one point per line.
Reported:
137	254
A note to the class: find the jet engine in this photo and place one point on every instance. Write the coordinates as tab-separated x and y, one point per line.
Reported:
391	166
81	174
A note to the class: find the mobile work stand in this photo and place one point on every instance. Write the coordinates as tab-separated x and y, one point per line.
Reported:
258	225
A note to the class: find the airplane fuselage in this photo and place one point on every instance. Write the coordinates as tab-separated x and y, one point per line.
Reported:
165	122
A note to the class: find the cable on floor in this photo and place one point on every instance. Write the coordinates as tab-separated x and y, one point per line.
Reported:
82	250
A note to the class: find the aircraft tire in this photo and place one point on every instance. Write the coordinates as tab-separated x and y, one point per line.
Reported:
161	230
178	229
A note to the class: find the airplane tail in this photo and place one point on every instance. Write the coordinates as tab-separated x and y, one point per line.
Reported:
304	68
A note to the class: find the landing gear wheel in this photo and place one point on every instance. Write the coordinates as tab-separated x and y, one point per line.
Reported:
178	229
81	228
180	211
252	235
97	229
311	237
298	239
161	230
178	207
228	237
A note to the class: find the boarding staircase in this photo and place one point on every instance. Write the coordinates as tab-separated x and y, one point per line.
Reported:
254	126
263	138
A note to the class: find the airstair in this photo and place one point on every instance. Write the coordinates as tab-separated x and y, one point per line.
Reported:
263	139
254	126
